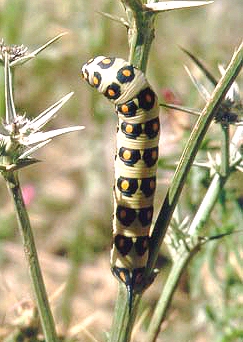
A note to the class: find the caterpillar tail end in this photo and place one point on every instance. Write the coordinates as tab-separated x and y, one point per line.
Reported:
131	279
130	297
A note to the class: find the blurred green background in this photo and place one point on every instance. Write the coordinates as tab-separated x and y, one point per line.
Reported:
70	192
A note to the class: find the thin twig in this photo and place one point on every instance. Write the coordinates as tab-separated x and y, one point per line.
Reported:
32	258
189	154
218	181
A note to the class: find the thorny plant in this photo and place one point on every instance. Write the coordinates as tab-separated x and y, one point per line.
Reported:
189	240
224	275
20	137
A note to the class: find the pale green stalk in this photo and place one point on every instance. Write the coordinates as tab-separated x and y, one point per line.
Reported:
20	137
140	37
218	181
225	150
190	152
43	306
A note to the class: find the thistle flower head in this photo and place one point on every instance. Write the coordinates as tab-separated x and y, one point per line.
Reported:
231	108
18	54
13	52
20	136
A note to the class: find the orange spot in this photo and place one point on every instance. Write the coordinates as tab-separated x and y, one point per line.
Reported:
126	72
149	215
145	243
152	184
124	185
138	278
111	92
154	155
129	128
123	214
155	127
122	276
121	243
148	98
127	155
95	80
124	108
106	61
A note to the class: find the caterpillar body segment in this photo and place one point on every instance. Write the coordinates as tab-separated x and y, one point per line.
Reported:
136	159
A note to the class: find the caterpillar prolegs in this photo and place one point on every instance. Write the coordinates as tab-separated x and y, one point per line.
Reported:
135	162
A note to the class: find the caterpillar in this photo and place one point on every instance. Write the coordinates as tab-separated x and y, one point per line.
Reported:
136	158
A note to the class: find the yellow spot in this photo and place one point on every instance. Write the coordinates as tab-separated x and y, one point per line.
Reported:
95	80
152	184
154	155
126	72
125	185
111	92
155	127
124	108
127	155
122	276
106	61
129	128
123	214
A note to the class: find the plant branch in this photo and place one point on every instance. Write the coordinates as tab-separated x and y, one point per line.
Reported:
32	258
189	153
166	297
184	253
225	150
123	321
140	32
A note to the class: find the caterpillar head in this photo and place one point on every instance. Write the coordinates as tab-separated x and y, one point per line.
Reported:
114	77
89	71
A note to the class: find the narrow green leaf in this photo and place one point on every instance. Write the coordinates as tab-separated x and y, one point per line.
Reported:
201	89
201	66
189	154
180	108
119	20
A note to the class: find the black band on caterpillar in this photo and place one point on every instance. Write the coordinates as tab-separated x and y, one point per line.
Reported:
135	163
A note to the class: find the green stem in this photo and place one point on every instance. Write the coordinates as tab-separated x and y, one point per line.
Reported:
207	204
189	153
225	150
168	291
217	183
184	255
123	321
32	258
140	33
